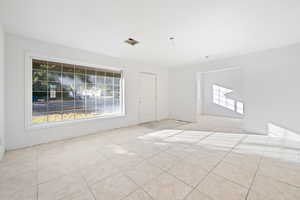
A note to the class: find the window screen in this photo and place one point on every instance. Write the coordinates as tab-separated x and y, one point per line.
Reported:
62	92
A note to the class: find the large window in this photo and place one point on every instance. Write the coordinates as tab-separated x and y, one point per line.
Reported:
62	92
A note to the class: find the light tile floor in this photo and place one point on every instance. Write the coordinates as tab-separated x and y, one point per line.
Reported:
160	161
215	123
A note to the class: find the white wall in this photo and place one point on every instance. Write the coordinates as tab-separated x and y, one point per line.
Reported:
2	144
182	94
229	78
17	136
270	85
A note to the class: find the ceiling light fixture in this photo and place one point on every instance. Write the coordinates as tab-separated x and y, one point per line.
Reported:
172	40
131	41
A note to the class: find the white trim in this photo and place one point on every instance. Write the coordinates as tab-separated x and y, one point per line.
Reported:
71	61
62	123
140	94
28	90
221	70
29	56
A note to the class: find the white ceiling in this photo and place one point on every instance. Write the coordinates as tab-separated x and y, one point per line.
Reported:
217	28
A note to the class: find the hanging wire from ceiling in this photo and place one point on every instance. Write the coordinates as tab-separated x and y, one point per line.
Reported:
172	39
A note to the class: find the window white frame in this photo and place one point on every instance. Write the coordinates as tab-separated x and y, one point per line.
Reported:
29	56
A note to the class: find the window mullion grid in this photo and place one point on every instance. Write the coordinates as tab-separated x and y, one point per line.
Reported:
105	93
113	93
47	95
107	102
74	89
120	105
61	90
94	92
85	91
119	81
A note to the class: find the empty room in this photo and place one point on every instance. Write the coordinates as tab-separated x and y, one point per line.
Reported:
149	100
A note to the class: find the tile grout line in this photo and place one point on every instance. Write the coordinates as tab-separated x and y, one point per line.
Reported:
143	159
278	180
253	179
211	170
228	163
139	187
164	171
88	186
122	171
67	174
179	179
165	150
229	150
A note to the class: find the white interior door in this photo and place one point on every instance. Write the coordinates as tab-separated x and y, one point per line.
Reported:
147	108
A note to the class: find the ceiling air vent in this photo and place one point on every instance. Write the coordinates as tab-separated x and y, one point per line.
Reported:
131	41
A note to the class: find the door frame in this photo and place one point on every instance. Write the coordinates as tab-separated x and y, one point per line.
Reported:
140	96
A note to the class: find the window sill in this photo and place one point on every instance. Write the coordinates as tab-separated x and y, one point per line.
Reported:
64	123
